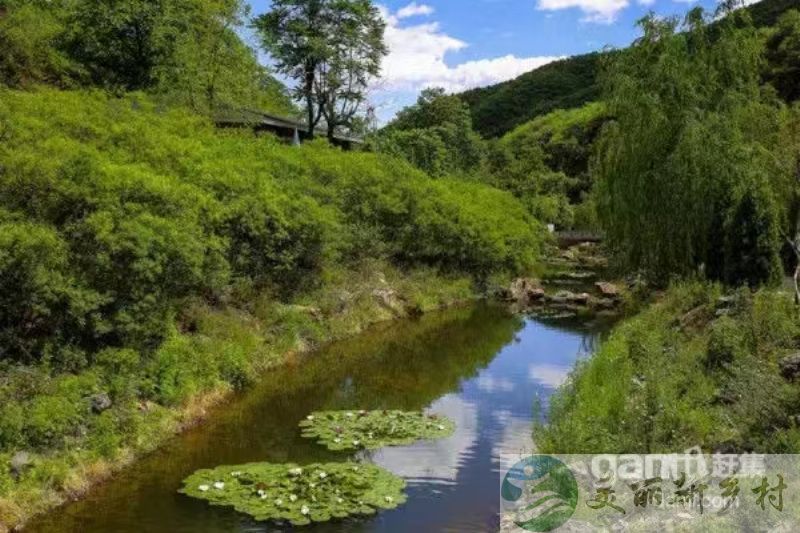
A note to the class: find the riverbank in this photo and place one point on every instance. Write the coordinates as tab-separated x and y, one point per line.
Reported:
242	342
701	367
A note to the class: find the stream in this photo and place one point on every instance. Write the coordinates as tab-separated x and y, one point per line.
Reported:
480	365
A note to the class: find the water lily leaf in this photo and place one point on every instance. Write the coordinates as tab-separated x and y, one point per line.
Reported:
296	494
355	430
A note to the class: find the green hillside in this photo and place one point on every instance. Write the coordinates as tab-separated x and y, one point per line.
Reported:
564	84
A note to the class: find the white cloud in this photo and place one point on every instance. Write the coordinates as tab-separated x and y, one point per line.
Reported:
413	10
601	11
417	53
551	376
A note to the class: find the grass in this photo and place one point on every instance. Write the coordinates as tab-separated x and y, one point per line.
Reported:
211	352
698	368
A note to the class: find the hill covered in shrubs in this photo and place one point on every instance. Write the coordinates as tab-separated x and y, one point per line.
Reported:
147	259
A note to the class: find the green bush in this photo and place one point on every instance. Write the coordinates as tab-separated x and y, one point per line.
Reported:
726	343
42	309
676	376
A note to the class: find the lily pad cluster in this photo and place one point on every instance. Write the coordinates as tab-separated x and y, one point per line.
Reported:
354	430
299	495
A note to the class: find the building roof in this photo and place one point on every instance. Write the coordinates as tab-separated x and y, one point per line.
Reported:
260	119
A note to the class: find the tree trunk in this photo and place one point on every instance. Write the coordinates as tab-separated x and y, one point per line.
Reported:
309	93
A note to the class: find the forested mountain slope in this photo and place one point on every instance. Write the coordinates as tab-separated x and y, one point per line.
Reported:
563	84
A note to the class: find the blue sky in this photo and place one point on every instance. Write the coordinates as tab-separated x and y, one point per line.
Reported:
459	44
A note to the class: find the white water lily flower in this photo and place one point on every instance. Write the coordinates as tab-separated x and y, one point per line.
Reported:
263	496
219	485
305	510
323	475
236	474
339	500
203	488
441	428
356	443
261	492
279	502
293	498
337	440
296	471
349	415
388	499
310	417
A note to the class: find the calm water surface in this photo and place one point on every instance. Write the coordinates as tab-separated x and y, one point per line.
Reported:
479	365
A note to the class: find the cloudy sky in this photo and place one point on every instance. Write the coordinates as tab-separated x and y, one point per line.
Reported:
459	44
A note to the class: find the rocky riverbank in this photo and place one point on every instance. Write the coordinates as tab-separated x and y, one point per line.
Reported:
574	284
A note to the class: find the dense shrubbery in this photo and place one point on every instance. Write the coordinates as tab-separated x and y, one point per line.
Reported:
545	162
115	210
783	56
566	138
187	50
692	370
436	135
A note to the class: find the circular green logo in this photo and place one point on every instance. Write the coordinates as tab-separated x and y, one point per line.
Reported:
539	493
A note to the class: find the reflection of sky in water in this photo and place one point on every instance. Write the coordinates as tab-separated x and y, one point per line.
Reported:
435	461
453	482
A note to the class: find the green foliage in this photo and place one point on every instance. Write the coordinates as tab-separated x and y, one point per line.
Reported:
42	308
423	148
566	138
355	430
726	343
694	134
299	495
436	135
569	83
562	84
188	51
783	56
690	370
120	43
116	212
30	32
753	241
331	48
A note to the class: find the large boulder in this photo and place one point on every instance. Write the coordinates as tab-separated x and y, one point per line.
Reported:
790	367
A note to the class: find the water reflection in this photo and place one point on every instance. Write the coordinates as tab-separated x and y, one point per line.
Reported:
481	366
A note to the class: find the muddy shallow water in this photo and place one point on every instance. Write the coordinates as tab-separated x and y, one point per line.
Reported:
480	365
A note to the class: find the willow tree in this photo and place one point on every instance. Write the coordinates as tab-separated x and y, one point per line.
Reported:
693	162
